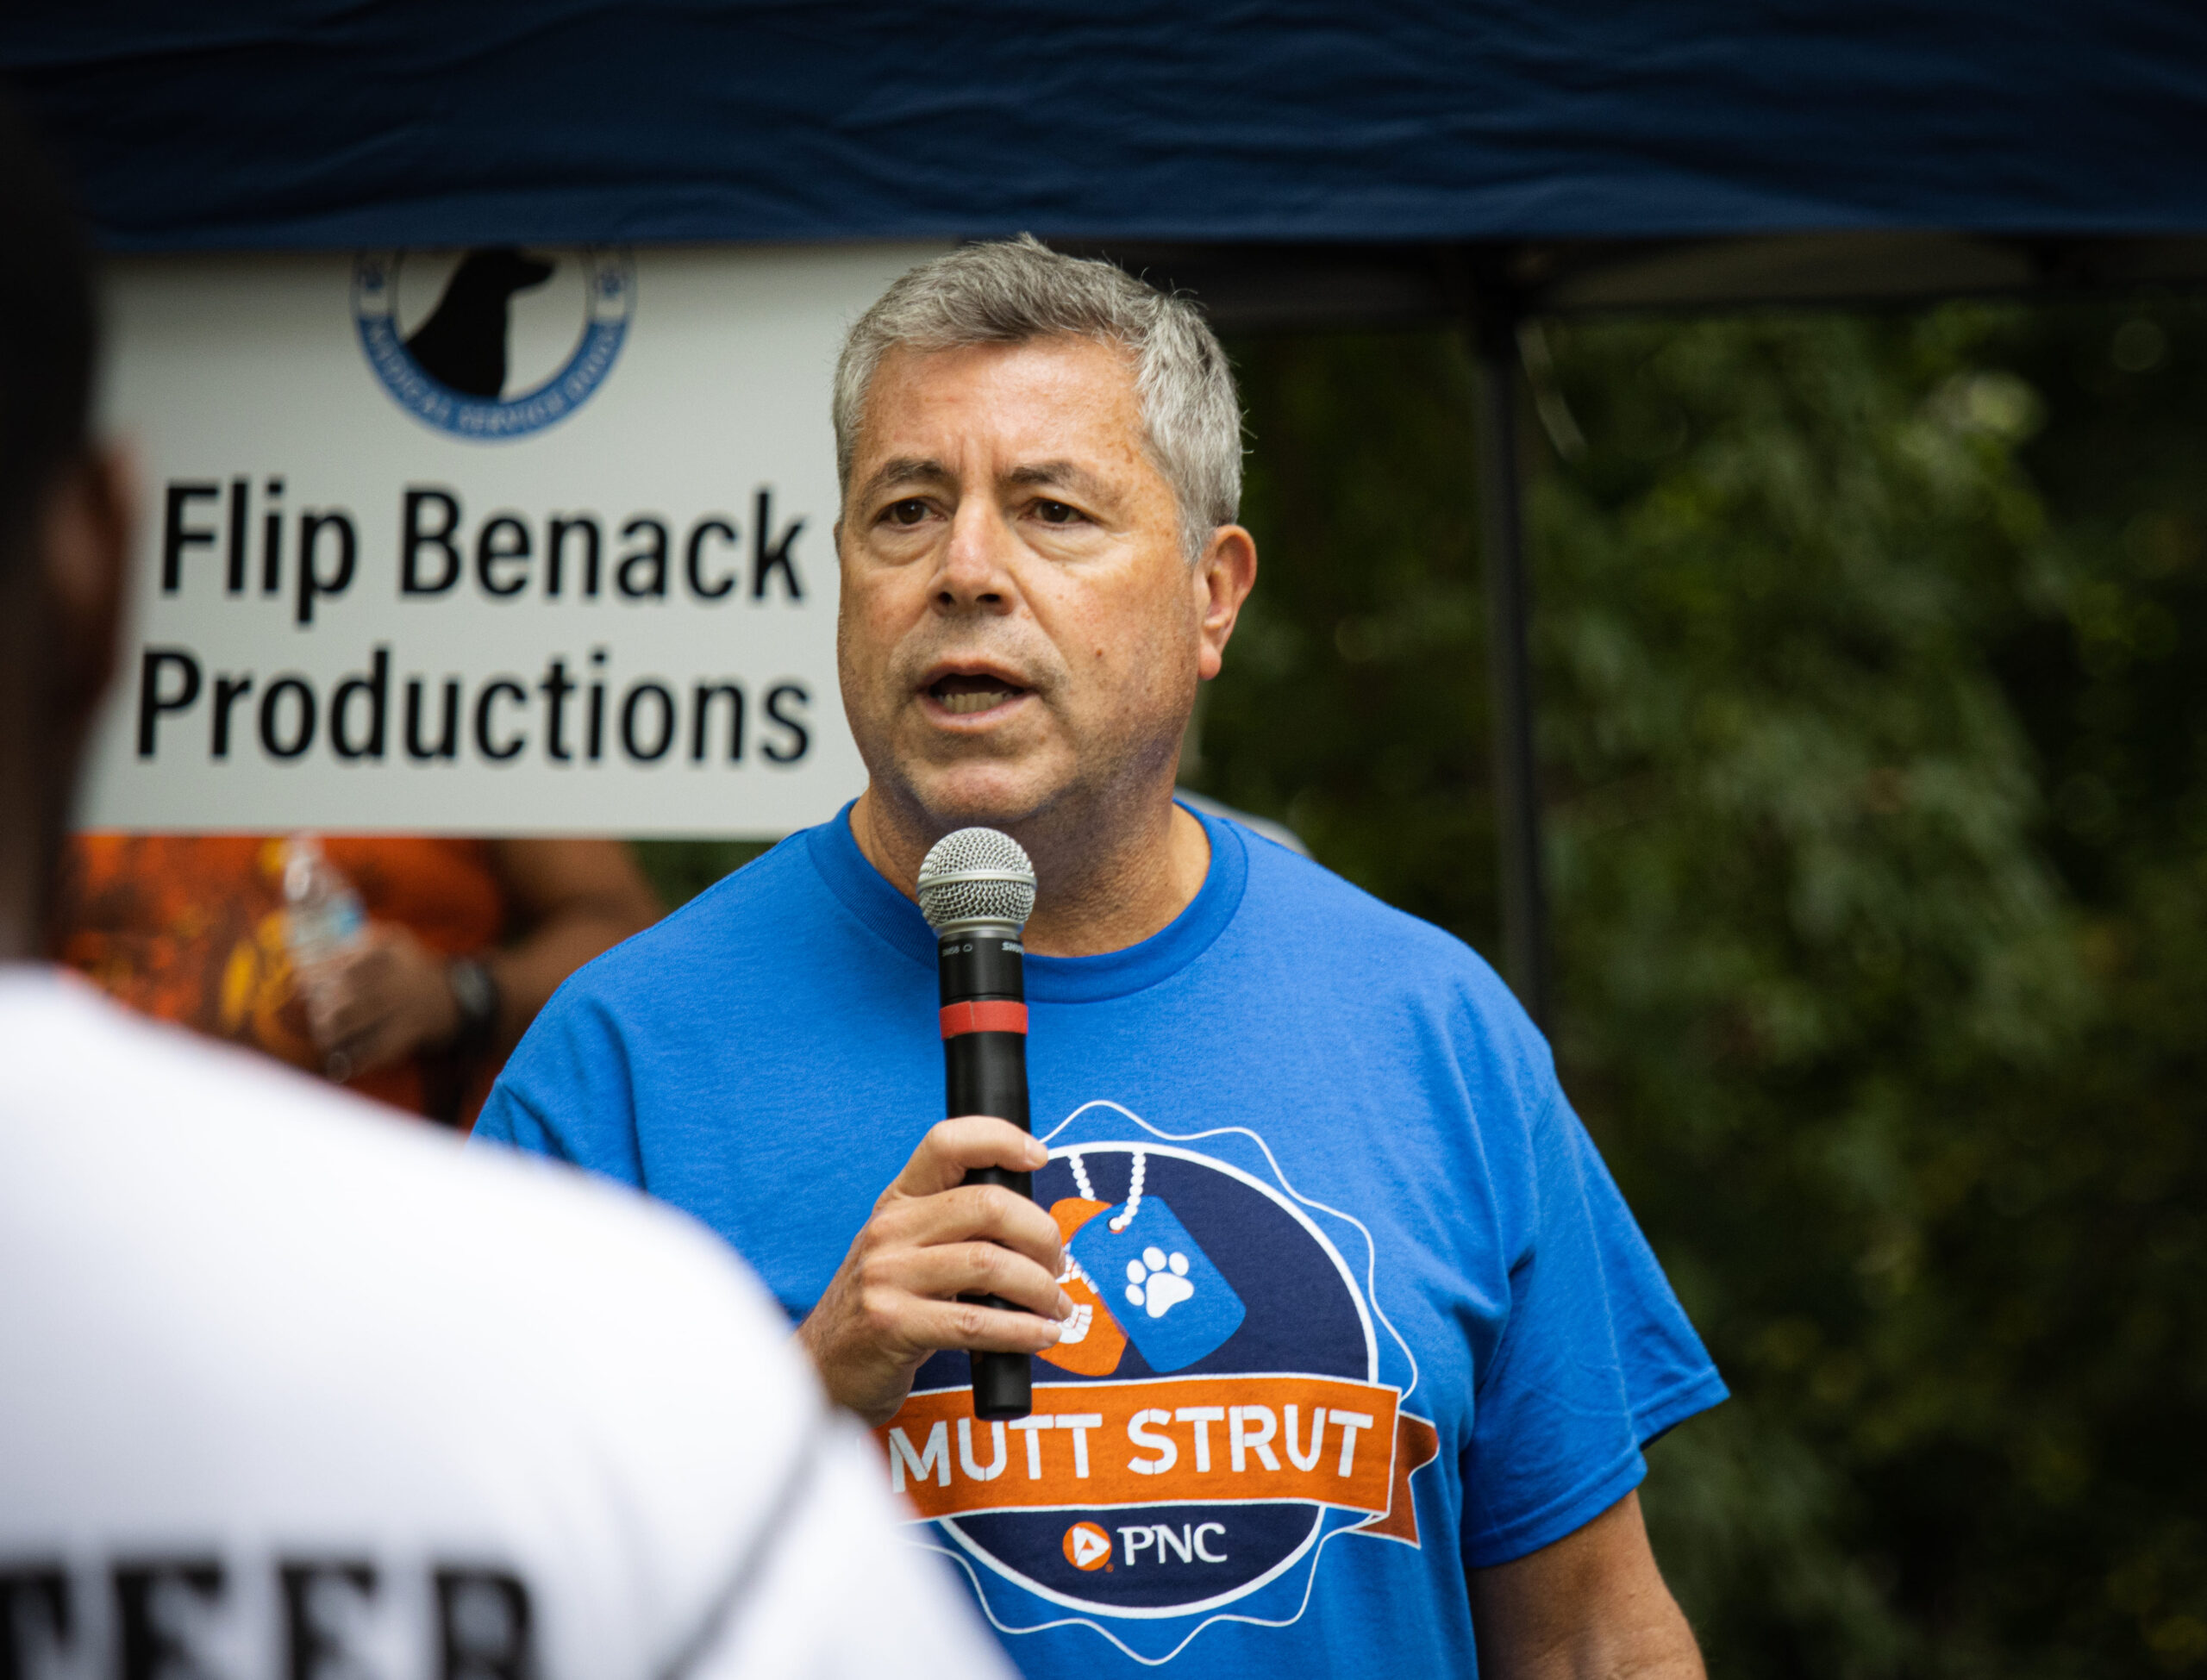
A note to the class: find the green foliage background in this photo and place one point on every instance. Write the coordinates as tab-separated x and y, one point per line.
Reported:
1872	718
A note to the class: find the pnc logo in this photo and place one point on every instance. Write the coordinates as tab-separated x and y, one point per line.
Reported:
1087	1547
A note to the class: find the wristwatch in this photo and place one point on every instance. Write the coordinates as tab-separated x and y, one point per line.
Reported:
476	991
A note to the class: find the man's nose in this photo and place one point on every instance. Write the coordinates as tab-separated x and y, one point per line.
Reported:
975	573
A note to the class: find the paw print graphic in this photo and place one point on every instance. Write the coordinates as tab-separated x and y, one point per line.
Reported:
1157	1283
1172	1305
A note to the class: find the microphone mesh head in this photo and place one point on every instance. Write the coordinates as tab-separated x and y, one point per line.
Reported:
977	875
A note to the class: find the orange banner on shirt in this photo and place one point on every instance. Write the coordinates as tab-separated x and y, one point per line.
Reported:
1190	1439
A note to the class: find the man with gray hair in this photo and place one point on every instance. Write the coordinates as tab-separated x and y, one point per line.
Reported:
1347	1346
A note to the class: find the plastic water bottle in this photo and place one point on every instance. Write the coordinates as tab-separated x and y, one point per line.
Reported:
323	915
323	919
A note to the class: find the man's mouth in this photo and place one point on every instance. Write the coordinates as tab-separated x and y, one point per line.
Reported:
962	696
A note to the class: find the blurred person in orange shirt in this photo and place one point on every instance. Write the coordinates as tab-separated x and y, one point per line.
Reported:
464	942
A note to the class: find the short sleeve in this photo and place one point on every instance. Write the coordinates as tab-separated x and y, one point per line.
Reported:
1596	1359
566	1091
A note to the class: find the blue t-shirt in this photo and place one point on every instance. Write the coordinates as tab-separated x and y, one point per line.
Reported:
1362	1308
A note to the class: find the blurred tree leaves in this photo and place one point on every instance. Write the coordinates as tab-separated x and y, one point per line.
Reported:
1871	728
679	869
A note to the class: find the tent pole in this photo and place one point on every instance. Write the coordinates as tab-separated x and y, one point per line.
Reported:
1524	900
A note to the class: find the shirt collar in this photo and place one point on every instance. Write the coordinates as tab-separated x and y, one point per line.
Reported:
895	920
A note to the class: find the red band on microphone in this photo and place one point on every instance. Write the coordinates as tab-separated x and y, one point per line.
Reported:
992	1014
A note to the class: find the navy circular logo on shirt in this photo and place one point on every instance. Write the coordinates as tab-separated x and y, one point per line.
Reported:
1214	1415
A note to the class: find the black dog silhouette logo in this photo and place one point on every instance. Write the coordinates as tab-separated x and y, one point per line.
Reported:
463	344
515	340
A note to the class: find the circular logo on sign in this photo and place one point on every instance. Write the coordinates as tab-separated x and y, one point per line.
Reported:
494	343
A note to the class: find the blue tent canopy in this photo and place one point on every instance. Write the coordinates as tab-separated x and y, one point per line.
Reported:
1995	143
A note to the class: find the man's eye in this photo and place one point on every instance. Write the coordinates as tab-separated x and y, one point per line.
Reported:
909	511
1055	512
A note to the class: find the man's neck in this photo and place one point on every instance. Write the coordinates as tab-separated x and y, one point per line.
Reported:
19	940
27	840
25	864
1101	887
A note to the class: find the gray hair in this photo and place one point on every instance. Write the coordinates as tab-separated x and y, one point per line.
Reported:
1011	291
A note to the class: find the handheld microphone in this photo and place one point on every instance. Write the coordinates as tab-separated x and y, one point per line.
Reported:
977	889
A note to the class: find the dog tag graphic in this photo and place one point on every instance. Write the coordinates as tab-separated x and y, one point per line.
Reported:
1172	1300
1092	1343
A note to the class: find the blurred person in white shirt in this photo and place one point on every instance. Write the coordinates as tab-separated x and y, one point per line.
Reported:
290	1388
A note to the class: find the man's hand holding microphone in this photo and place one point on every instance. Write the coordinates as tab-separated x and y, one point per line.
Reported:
956	1254
933	1237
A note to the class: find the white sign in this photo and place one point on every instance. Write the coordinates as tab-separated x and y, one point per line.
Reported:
520	542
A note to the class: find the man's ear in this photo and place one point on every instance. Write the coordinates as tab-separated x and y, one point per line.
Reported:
84	540
1225	574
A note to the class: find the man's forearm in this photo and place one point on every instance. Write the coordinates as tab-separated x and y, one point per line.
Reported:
1590	1606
